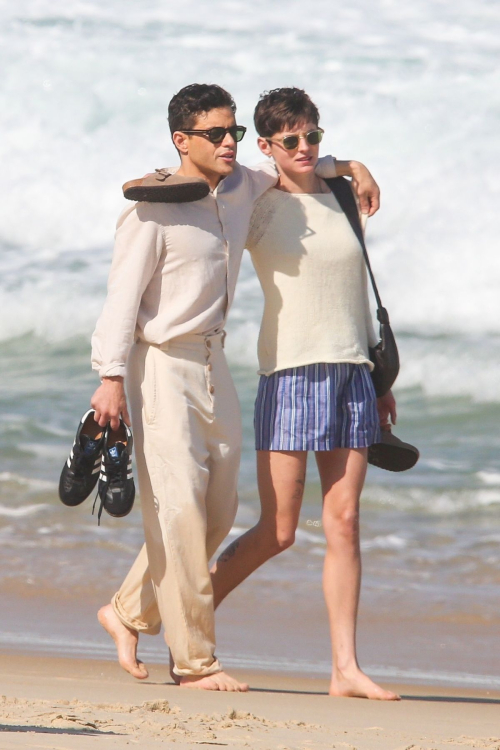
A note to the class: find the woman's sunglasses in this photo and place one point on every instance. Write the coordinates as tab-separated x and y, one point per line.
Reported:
290	142
217	135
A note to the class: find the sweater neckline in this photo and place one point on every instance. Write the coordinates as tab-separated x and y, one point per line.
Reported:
285	192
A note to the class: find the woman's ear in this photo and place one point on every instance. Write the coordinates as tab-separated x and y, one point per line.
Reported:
264	146
180	141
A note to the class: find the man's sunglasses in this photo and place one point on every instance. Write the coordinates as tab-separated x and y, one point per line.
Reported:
290	142
217	135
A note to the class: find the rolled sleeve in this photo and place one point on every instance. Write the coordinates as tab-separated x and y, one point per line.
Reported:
138	246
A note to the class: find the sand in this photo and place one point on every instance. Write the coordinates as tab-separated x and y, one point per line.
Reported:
72	704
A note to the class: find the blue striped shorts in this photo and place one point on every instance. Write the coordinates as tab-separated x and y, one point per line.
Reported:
316	407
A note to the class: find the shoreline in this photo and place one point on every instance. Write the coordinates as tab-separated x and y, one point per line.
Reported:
76	703
260	634
294	669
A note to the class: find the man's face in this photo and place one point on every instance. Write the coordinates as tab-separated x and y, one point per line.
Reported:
212	160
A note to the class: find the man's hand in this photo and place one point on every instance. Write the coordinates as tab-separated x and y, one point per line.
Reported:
386	407
109	402
366	188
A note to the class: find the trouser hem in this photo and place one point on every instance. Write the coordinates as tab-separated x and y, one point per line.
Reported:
214	668
130	622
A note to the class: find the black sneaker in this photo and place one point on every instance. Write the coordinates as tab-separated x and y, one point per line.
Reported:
116	482
81	471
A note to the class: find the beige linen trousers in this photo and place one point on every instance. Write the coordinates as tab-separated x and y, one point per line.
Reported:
187	432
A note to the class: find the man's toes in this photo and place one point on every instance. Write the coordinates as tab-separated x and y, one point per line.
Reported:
134	667
140	671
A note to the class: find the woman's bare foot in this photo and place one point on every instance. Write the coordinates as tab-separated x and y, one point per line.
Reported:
126	641
218	681
356	684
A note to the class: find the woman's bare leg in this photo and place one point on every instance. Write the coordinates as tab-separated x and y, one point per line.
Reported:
342	473
281	476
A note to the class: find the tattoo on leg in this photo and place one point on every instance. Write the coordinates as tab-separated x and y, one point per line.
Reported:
299	488
229	552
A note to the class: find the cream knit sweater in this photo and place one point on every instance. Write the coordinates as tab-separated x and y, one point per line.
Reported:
314	278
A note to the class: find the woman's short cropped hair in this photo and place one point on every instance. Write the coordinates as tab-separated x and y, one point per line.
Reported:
282	109
193	100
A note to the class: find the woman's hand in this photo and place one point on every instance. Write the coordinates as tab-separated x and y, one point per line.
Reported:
386	407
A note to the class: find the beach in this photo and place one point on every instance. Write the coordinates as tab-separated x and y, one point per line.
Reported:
412	91
71	704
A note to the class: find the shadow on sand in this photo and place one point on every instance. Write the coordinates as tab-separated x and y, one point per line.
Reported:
54	730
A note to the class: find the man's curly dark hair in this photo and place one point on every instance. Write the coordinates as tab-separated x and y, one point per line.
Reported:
193	100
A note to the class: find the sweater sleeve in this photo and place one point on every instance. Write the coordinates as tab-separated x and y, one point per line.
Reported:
137	250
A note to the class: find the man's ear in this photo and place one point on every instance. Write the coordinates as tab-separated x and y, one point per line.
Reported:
180	141
264	146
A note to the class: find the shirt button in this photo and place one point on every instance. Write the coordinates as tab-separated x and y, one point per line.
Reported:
209	344
211	389
209	367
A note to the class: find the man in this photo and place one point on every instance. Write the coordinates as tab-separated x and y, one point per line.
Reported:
170	288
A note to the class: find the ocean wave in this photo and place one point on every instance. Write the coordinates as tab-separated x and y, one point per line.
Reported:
23	510
88	124
489	477
432	500
389	541
37	485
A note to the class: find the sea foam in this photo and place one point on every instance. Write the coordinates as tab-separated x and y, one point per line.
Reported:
413	93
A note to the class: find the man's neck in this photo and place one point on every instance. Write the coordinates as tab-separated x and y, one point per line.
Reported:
188	169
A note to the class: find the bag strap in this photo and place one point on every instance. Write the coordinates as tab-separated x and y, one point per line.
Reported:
341	188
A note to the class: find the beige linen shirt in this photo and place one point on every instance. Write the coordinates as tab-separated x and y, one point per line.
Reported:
175	266
312	271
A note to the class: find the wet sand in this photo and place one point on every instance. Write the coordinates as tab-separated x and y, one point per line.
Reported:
71	704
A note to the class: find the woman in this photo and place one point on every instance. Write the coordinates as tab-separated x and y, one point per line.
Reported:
315	391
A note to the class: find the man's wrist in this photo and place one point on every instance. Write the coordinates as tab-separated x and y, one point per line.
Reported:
112	379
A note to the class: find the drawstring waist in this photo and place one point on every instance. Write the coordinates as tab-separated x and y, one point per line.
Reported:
191	341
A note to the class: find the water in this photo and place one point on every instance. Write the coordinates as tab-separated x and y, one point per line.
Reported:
413	90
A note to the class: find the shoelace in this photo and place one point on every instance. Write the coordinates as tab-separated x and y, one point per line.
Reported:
81	469
100	508
82	460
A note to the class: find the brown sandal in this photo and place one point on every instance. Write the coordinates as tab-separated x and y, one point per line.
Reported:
391	453
163	187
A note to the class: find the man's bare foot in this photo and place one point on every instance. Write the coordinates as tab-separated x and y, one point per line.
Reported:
218	681
175	677
126	641
356	684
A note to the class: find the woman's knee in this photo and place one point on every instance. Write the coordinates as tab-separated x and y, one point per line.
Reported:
343	523
276	539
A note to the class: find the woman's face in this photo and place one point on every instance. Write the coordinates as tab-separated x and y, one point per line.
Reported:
297	161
